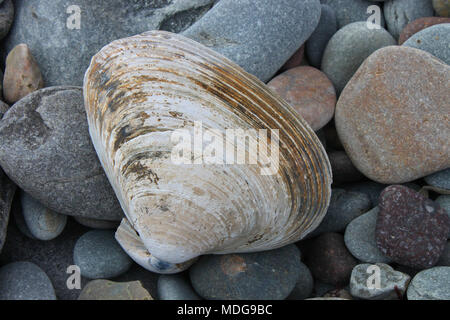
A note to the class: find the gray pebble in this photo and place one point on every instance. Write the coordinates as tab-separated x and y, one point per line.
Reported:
98	255
42	223
7	190
175	287
398	13
444	202
25	281
430	284
96	223
304	286
360	238
371	188
444	259
440	179
348	11
6	17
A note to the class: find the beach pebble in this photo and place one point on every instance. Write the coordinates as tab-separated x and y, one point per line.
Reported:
343	169
22	74
378	113
440	179
175	287
309	91
295	60
411	229
317	42
398	13
378	282
329	260
442	7
25	281
266	275
348	11
42	223
360	240
371	188
45	148
96	223
7	190
304	286
260	37
101	289
6	17
434	39
348	48
430	284
444	202
98	255
418	25
444	259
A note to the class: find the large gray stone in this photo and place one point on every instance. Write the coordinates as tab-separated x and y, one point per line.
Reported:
64	53
260	36
7	190
45	148
430	284
398	13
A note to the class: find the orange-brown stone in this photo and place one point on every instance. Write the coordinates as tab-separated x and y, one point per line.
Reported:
418	25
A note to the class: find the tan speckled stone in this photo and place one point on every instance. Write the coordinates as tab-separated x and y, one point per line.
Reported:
393	116
109	290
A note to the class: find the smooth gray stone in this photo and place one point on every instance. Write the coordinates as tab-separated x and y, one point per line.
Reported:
444	259
444	202
371	188
25	281
398	13
6	17
317	42
42	223
64	54
360	238
348	11
45	148
175	287
260	36
430	284
7	190
440	179
97	224
434	40
304	286
392	283
348	48
100	256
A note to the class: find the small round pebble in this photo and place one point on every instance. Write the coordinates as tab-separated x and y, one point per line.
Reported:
430	284
329	260
434	39
42	223
440	179
304	286
98	255
442	7
418	25
175	287
25	281
109	290
266	275
378	282
360	238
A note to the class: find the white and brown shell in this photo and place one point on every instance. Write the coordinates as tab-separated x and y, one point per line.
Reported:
137	91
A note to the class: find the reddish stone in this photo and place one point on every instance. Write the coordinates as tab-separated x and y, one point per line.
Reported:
418	25
309	91
411	229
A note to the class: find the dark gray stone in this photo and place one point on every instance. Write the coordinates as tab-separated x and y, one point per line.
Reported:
7	190
42	223
97	224
45	148
317	42
99	255
360	238
175	287
348	48
398	13
267	275
6	17
304	286
25	281
444	202
343	169
348	11
344	207
3	106
64	54
439	179
260	36
434	39
430	284
371	188
444	259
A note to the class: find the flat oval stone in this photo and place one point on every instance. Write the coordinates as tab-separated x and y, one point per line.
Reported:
43	223
396	91
25	281
430	284
45	148
434	39
348	48
175	287
411	229
267	275
418	25
109	290
442	7
98	255
309	91
398	13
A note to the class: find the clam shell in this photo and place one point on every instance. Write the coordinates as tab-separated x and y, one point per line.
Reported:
140	90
